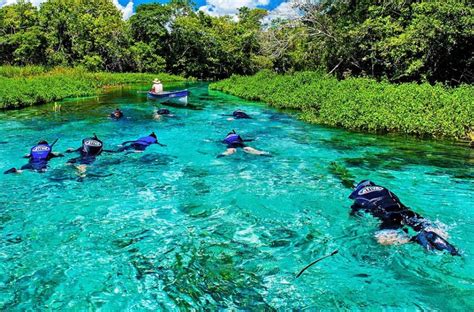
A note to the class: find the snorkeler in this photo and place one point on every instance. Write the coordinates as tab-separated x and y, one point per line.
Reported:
88	152
235	141
117	114
162	112
38	157
384	205
239	114
140	144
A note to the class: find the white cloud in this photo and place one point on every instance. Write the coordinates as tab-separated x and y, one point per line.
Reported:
229	7
285	11
126	10
8	2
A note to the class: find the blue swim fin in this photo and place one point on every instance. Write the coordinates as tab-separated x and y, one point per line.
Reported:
430	240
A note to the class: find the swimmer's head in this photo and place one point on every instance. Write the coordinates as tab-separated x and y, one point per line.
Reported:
153	135
42	142
360	186
163	111
363	184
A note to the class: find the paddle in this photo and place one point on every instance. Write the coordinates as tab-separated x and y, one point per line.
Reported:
316	261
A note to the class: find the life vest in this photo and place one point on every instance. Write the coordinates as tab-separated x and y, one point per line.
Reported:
146	141
233	138
40	152
92	146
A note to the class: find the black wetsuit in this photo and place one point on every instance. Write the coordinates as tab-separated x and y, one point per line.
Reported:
384	205
90	149
238	114
117	114
163	111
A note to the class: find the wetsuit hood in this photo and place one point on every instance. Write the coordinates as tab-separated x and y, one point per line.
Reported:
117	114
362	184
92	146
240	115
163	111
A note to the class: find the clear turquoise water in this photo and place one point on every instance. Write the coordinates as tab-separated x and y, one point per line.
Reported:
177	228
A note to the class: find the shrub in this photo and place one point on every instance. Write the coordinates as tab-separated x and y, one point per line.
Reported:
363	104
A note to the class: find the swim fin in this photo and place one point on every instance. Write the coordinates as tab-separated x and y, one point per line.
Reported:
430	240
12	170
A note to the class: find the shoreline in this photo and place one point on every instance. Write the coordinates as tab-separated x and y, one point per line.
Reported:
363	105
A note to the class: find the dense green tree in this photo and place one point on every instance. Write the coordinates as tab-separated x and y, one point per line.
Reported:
21	39
395	40
89	32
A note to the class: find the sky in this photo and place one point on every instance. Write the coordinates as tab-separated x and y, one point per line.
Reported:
277	8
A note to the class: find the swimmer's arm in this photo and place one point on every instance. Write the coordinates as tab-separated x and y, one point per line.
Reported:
110	151
162	145
355	209
127	142
27	156
53	155
72	150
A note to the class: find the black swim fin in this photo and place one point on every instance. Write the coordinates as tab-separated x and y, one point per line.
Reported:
12	170
430	240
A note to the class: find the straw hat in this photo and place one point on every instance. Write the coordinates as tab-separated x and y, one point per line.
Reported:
156	80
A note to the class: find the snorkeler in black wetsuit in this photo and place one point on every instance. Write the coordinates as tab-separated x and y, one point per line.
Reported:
38	157
235	141
163	112
384	205
140	144
88	152
117	114
239	114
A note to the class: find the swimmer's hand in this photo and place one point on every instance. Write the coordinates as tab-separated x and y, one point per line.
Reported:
221	155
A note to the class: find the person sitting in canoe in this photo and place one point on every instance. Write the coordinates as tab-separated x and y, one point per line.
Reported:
38	157
239	114
235	141
397	219
116	114
157	86
162	112
140	144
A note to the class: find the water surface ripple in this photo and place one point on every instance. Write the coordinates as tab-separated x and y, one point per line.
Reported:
177	228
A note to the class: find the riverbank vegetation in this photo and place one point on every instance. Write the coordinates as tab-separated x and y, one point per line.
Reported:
26	86
368	49
362	103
